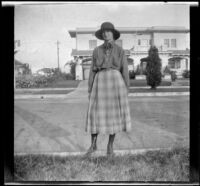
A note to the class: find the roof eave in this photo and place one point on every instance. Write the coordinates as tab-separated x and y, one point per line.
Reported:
72	33
148	30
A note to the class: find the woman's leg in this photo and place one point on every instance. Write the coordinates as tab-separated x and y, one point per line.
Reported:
93	146
94	141
110	144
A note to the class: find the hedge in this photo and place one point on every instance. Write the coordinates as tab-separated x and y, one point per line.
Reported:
24	81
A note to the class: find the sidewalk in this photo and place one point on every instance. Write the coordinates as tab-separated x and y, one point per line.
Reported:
57	125
73	96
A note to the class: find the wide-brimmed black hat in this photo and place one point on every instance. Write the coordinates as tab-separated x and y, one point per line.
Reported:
107	26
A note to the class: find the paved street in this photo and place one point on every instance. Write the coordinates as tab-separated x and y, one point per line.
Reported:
57	125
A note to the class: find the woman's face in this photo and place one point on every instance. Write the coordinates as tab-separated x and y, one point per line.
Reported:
108	35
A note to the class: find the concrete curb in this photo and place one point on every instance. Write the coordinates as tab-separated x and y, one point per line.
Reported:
160	94
62	96
49	89
41	96
41	89
95	154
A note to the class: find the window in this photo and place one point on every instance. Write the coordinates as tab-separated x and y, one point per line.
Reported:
92	44
166	42
144	42
173	43
177	64
171	64
119	42
186	64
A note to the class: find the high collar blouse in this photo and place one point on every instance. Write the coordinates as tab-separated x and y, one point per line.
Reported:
108	55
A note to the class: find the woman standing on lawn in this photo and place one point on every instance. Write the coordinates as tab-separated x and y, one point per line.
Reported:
108	85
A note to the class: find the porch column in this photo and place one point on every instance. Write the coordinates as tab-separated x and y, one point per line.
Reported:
136	59
141	66
152	38
188	63
183	63
79	70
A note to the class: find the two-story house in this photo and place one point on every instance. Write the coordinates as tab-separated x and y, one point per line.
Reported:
172	43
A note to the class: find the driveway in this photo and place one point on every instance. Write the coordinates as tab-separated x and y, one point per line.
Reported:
57	125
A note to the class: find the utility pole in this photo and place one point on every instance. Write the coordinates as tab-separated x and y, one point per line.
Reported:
152	39
15	70
58	55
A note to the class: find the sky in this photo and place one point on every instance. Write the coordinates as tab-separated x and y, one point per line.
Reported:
40	26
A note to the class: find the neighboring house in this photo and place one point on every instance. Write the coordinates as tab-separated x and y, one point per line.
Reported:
21	68
172	43
45	72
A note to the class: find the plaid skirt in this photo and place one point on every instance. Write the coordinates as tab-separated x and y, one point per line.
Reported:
108	110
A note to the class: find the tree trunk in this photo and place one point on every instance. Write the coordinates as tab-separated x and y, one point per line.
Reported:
153	87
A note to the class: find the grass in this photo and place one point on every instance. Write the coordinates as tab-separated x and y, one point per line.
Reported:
7	174
170	165
183	82
44	92
143	82
65	84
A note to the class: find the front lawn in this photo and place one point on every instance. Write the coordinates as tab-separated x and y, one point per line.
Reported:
25	92
171	165
182	82
65	84
143	82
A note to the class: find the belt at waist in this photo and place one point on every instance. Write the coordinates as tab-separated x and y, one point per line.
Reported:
100	69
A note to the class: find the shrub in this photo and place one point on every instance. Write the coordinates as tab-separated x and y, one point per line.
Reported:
69	76
63	76
186	74
131	74
24	81
173	75
167	70
153	68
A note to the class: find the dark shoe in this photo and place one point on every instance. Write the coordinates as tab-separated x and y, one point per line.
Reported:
91	150
110	152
